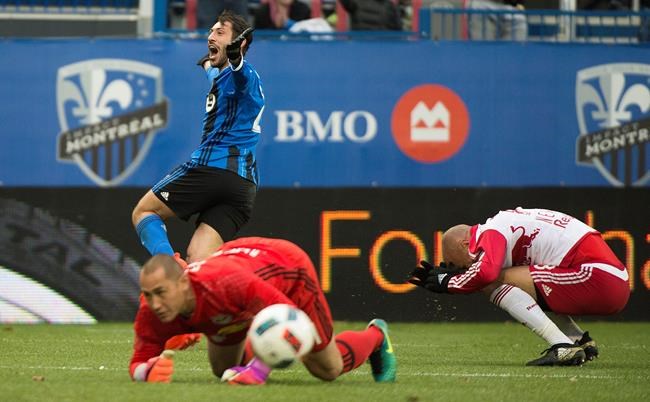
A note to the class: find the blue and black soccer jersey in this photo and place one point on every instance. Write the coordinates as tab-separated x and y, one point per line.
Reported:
231	130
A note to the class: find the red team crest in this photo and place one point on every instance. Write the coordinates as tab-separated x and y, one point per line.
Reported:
430	123
524	242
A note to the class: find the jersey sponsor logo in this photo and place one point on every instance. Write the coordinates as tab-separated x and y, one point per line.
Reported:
521	249
430	123
613	110
233	328
210	102
252	252
221	319
109	111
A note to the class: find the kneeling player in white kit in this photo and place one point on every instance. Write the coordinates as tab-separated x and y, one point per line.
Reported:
530	260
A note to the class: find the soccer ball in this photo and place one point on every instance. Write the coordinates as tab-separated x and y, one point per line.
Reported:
280	334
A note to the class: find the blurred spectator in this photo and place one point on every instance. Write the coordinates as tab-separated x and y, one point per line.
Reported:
644	29
317	25
604	4
622	5
405	9
372	15
207	11
280	14
506	26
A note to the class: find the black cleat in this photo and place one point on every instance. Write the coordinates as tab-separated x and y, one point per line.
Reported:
589	346
561	354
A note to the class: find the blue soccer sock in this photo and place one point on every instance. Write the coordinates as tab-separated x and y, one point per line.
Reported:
153	235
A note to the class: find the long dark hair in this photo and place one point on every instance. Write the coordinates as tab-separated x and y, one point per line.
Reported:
239	25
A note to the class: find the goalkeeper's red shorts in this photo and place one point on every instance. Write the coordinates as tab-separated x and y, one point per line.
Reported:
309	298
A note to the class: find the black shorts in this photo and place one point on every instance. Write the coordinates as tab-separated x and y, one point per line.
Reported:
223	199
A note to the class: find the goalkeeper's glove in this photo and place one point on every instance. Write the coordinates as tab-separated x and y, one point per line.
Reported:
233	49
182	342
156	369
434	278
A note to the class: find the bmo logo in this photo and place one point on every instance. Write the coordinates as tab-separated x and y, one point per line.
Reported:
338	126
430	123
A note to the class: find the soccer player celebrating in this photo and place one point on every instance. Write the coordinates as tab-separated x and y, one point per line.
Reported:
221	295
531	260
219	182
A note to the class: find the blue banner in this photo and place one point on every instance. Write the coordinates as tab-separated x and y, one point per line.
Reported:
118	112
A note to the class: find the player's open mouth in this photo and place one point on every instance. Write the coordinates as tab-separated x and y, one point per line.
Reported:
213	50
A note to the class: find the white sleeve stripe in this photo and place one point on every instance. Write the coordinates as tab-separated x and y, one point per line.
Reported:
457	282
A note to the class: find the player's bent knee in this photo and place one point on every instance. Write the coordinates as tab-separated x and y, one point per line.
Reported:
139	212
325	374
136	216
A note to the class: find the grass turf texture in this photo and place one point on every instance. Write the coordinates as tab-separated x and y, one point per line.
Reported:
437	362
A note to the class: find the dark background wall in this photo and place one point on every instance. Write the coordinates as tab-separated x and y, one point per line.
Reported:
385	227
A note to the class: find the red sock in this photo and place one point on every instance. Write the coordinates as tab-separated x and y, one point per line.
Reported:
356	346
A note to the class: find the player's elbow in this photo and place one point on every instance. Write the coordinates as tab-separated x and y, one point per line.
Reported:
487	278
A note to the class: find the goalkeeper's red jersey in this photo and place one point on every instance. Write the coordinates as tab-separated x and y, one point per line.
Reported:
230	287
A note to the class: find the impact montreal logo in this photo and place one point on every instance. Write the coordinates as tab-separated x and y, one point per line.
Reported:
613	108
109	111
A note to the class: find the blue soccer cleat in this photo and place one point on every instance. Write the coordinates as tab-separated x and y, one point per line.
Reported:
383	361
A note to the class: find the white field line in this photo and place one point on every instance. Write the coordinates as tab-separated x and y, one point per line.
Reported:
568	376
518	375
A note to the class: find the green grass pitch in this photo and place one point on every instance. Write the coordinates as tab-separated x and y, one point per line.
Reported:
437	362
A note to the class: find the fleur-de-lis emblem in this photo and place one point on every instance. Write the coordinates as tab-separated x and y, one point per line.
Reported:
109	111
613	110
612	107
93	97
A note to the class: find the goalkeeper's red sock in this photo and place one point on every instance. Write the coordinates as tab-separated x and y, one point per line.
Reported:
356	346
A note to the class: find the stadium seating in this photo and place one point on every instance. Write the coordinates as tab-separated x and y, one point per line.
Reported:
435	19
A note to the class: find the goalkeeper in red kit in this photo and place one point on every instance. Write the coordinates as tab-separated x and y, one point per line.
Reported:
220	296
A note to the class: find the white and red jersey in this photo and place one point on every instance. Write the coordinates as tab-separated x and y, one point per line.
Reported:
518	237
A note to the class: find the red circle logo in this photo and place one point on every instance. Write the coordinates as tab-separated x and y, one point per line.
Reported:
430	123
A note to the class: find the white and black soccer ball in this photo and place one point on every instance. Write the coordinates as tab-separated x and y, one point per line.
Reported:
280	334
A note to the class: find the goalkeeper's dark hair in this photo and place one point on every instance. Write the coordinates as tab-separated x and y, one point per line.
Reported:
239	25
165	262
